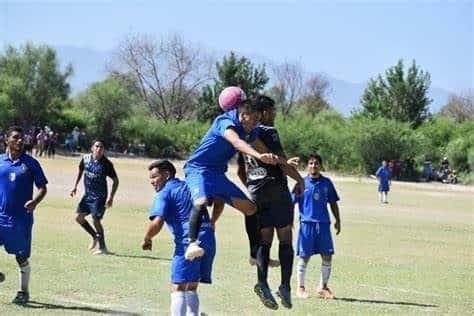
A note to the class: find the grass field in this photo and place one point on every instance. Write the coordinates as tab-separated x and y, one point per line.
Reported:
412	256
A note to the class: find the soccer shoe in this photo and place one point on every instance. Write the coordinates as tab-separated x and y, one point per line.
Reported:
21	298
265	295
93	244
193	251
326	293
271	263
285	295
2	277
103	251
301	293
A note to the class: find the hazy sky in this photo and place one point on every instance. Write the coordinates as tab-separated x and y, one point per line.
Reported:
350	40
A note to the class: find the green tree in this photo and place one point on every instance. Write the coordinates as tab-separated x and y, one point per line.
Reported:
232	71
105	104
33	89
399	96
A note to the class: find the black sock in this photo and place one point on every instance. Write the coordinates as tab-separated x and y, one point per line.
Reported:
263	256
253	233
100	237
286	255
88	228
195	219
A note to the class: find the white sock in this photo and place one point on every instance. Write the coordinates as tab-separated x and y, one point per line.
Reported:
192	303
178	304
301	271
325	273
24	273
385	197
381	197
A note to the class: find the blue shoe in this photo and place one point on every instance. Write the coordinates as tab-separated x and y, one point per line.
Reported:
265	295
284	294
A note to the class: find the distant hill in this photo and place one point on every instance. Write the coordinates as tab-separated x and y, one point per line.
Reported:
89	67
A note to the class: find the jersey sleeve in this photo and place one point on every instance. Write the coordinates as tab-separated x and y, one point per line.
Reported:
272	140
222	124
377	173
160	206
38	175
111	170
332	194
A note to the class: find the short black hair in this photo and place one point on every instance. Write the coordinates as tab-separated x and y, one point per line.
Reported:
315	156
265	102
95	140
14	128
251	105
163	165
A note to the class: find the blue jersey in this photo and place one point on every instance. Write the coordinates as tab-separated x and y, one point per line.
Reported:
384	174
173	203
214	151
313	202
16	187
95	176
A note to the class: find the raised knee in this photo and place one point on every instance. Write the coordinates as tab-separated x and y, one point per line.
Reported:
80	218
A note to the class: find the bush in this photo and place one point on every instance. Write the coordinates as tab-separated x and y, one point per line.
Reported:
460	152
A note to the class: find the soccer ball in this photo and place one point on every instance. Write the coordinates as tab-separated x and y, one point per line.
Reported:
231	98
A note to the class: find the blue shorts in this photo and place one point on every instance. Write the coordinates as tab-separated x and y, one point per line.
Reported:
93	206
17	239
314	238
210	184
384	187
199	269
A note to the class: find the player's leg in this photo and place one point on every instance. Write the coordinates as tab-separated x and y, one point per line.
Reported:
97	213
185	275
326	250
24	270
305	248
385	196
83	209
192	299
301	268
178	300
286	255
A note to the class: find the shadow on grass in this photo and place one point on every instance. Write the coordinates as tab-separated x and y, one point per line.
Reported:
359	300
49	306
138	257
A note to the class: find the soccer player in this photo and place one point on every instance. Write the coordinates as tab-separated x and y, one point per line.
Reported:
314	236
384	175
268	187
205	170
18	173
96	167
172	206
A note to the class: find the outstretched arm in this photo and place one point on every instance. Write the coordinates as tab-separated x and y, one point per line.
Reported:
153	230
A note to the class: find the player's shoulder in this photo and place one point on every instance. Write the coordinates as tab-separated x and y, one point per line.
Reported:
87	158
27	159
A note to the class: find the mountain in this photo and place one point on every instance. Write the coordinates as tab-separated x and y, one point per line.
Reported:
89	66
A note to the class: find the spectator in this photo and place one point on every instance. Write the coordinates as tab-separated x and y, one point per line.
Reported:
76	133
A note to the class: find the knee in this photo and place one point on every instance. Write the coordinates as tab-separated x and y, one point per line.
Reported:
80	218
96	222
21	261
326	259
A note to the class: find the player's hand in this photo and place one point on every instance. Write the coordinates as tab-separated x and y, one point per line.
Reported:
73	192
293	161
146	244
269	158
109	203
337	227
31	205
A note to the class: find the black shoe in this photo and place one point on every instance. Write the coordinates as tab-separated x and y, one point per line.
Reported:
21	298
2	277
265	295
284	294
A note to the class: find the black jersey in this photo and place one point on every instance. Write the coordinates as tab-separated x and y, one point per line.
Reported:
259	173
95	175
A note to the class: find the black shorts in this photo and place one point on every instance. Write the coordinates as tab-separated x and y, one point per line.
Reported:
93	206
274	206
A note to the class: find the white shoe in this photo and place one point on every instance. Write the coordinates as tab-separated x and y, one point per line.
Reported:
193	251
301	293
101	252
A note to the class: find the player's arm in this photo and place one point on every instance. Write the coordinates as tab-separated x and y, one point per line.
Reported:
78	178
232	137
335	213
115	184
153	229
31	204
216	212
241	171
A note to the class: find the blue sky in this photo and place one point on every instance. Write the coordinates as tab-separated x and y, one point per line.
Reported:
349	40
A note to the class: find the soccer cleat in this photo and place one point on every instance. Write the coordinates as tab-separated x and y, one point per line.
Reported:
326	293
301	293
271	263
21	298
93	244
103	251
265	295
193	251
284	294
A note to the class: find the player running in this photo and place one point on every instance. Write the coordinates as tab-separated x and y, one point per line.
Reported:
96	167
18	173
173	205
314	236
